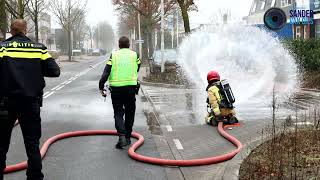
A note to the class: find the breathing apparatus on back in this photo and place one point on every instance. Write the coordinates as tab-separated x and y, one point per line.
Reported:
227	97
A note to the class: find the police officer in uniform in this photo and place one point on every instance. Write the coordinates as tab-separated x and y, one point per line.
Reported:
122	71
23	66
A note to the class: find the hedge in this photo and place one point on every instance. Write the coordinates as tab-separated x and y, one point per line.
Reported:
306	52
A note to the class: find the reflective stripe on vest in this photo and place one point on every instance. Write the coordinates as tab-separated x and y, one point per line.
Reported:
25	53
124	68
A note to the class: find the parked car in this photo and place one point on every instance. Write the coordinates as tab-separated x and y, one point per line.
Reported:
98	52
76	52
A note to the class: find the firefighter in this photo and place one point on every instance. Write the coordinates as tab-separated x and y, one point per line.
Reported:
122	72
23	66
221	107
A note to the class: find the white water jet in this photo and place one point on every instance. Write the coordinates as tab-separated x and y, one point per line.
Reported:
252	60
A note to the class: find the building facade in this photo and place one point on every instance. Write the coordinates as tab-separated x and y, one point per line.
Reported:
290	31
316	4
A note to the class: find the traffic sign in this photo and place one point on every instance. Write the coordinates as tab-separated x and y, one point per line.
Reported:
139	41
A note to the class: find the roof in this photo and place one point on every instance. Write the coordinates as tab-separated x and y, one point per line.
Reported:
259	7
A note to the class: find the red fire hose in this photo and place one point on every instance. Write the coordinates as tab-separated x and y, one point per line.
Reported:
135	146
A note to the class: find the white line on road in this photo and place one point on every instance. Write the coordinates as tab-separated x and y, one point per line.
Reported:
169	128
48	95
178	144
71	79
68	82
55	87
60	88
64	82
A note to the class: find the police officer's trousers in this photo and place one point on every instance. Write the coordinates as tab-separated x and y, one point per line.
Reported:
27	111
124	104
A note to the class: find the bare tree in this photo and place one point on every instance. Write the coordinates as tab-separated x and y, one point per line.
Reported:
150	16
3	20
35	8
68	14
81	33
17	7
90	36
104	36
185	6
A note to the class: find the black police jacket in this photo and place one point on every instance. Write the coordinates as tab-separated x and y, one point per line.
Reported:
23	66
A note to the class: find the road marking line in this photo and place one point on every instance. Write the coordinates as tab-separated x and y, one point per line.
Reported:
178	144
68	82
169	128
60	88
71	79
64	82
44	94
55	87
48	95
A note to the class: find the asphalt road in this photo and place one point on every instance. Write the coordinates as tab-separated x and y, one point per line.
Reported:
171	120
72	102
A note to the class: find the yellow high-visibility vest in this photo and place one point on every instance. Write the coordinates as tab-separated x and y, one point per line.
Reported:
124	71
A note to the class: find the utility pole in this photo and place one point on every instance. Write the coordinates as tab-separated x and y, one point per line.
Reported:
133	47
177	29
172	32
139	31
98	36
162	37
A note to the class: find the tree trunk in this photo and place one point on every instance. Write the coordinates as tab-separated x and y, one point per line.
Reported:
36	28
185	16
69	45
36	21
150	42
21	9
144	45
3	20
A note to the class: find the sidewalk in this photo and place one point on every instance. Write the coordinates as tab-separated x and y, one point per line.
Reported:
180	115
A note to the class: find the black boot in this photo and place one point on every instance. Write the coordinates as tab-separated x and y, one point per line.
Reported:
128	141
233	120
122	142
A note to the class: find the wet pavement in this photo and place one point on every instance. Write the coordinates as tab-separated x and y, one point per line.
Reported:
77	105
170	119
181	115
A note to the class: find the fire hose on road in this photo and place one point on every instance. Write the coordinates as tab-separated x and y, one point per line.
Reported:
135	146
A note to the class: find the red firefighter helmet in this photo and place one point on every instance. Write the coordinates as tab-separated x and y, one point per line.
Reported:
213	75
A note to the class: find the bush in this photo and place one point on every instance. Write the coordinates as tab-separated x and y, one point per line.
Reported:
306	52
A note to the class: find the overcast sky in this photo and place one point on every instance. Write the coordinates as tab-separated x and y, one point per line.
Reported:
103	10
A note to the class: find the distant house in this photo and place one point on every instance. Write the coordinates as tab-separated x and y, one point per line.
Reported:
316	18
259	7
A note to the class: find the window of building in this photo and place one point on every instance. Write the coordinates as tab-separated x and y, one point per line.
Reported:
318	31
254	7
298	32
263	4
273	3
285	3
317	4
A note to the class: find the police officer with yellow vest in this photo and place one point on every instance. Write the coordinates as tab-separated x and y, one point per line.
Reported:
122	71
23	66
